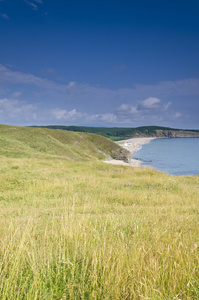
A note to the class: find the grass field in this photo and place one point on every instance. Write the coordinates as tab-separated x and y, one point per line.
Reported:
88	230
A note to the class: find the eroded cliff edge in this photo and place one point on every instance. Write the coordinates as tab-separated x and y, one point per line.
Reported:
176	134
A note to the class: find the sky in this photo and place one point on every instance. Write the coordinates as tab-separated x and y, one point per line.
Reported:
121	63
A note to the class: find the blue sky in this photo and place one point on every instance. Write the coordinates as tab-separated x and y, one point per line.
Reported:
118	63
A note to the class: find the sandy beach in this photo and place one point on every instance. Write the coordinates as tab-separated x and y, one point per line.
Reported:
131	145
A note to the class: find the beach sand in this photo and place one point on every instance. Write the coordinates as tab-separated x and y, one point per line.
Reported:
131	145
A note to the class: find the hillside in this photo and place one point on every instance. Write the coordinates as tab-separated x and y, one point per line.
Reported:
30	142
118	133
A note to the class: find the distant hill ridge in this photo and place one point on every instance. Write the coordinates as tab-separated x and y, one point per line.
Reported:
118	133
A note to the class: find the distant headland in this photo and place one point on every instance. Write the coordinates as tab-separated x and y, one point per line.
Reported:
119	133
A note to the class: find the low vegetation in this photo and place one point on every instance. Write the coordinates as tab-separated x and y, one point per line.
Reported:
87	230
119	133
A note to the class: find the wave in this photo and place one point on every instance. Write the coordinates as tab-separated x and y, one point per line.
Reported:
138	149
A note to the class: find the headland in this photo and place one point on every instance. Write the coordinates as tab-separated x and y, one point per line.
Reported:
132	145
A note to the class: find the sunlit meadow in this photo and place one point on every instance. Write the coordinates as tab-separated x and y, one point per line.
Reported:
87	230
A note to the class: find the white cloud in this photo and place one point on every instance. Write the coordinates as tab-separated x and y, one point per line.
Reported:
16	110
62	114
128	109
16	94
108	118
33	4
177	115
133	110
5	16
74	115
148	110
49	71
167	105
149	103
15	77
124	107
58	113
71	84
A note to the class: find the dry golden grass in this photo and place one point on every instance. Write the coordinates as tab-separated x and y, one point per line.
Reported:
87	230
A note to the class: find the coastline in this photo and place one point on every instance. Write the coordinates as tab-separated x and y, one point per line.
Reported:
131	145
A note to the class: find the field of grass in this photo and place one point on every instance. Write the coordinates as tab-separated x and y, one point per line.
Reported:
88	230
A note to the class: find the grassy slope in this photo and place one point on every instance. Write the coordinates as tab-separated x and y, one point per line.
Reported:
30	142
87	230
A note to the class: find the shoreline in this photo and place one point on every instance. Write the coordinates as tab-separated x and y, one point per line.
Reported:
131	145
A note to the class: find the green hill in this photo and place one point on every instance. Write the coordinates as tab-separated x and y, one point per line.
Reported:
30	142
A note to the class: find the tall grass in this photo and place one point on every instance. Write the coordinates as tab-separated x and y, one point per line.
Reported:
73	230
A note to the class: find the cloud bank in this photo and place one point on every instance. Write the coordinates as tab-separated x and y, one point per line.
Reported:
26	98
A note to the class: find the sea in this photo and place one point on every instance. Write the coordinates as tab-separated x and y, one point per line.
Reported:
174	156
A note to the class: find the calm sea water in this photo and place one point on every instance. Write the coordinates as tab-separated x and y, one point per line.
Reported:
177	156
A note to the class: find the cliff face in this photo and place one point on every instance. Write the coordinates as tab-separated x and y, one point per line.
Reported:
176	134
123	154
